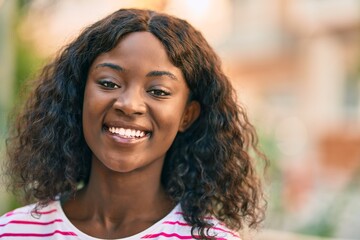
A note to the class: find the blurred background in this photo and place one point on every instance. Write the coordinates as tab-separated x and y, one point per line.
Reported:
295	65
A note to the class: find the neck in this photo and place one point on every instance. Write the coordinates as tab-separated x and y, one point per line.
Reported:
127	192
123	197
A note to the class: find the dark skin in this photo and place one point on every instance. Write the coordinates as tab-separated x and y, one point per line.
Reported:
134	86
97	210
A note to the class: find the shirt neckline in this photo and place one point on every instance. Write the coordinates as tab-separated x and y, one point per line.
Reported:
147	231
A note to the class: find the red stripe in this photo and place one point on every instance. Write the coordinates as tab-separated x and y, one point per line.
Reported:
208	218
215	228
37	234
37	212
223	230
168	235
176	223
45	212
31	222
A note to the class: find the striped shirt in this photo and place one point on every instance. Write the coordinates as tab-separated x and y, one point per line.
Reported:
51	223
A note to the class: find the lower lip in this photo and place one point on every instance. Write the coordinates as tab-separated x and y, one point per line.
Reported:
119	139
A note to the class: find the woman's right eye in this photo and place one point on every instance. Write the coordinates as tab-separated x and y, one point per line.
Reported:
109	84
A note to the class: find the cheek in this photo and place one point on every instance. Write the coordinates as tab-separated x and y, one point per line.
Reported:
93	105
91	116
88	109
168	119
87	119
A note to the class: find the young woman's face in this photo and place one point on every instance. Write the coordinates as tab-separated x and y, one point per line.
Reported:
135	103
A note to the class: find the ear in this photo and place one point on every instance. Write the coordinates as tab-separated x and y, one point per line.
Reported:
191	113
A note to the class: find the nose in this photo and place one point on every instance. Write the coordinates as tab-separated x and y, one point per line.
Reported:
130	102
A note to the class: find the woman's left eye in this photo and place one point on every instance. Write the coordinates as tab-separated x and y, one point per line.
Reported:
159	92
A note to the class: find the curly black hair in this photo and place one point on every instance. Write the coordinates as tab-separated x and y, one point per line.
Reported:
208	169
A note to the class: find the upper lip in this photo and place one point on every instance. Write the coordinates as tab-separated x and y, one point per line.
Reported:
126	125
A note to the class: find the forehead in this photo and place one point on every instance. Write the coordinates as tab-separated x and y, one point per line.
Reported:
140	51
137	44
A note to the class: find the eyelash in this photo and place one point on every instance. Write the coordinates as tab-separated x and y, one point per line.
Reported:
108	84
159	92
155	92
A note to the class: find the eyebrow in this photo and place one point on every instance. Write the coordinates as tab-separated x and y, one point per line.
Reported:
161	73
150	74
112	66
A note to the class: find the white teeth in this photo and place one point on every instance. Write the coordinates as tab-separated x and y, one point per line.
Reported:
129	133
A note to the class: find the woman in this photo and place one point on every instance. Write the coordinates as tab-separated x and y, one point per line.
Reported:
132	132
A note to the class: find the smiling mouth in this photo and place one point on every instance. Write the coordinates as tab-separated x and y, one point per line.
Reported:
127	132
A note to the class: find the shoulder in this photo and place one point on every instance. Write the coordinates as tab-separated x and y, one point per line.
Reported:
178	227
221	231
30	221
14	216
29	212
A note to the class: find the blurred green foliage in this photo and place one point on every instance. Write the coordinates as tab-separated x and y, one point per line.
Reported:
26	63
274	180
